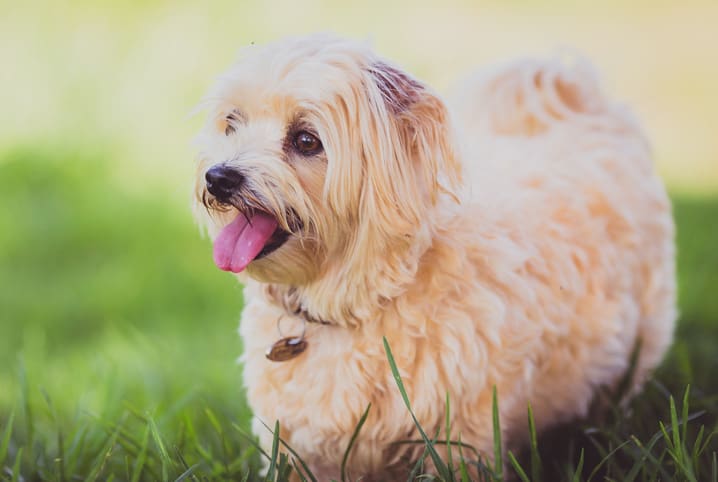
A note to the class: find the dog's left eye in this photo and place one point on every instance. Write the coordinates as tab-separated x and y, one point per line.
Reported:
307	144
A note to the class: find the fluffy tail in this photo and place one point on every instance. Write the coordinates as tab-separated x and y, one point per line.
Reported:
531	96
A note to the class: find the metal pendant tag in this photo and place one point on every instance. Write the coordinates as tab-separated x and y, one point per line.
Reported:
286	349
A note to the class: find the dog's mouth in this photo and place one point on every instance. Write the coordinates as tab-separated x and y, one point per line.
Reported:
248	237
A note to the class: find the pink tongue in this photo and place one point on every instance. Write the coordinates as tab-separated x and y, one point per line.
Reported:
241	241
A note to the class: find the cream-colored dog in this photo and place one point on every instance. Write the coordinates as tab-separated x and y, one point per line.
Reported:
520	240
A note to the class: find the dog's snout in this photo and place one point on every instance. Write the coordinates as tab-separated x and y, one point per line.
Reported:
223	181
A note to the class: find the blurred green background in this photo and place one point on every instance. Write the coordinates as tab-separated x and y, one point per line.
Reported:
108	295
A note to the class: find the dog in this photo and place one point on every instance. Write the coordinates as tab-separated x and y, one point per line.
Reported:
516	237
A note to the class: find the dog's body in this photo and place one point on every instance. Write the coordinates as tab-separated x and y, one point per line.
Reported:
538	273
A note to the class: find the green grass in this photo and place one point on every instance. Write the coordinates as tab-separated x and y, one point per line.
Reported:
118	340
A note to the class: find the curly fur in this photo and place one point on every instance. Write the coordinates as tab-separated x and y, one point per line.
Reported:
522	241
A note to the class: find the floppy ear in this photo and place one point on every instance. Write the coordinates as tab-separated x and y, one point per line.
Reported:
408	156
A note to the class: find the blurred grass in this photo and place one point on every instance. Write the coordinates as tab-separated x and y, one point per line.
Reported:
112	315
97	281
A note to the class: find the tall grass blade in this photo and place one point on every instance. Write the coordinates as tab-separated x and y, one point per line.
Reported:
142	457
104	455
27	406
351	442
5	443
498	447
697	446
579	470
60	459
626	381
251	440
666	438
284	469
605	459
463	470
684	416
418	466
447	411
275	452
302	478
517	468
633	473
187	473
304	465
164	456
536	468
439	464
186	466
677	451
16	465
76	447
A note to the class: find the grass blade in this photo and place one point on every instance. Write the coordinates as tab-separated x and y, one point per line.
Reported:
463	469
418	466
187	473
439	464
647	454
579	470
307	472
447	410
6	439
352	440
164	456
697	446
675	444
675	430
299	472
27	406
251	440
16	465
275	451
104	455
684	415
498	455
142	457
605	459
536	468
284	468
517	468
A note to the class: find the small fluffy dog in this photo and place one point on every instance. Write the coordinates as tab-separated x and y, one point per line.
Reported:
520	239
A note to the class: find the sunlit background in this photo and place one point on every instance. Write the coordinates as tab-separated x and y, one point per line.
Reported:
125	76
107	292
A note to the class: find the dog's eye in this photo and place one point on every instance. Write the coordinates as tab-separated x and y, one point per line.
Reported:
307	144
232	120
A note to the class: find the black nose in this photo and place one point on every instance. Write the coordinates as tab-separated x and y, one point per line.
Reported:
223	181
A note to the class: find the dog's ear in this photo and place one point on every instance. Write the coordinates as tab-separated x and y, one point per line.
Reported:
410	162
398	90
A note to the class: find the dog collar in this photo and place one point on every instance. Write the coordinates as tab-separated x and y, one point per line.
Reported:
289	347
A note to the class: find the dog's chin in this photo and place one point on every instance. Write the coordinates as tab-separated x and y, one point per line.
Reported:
291	262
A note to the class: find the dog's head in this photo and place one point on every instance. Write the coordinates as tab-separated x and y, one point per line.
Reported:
318	156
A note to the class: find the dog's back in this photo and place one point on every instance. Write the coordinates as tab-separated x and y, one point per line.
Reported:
546	151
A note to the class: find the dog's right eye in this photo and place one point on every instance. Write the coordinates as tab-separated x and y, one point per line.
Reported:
232	119
307	144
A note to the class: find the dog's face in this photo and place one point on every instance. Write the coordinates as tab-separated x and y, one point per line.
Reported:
316	154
